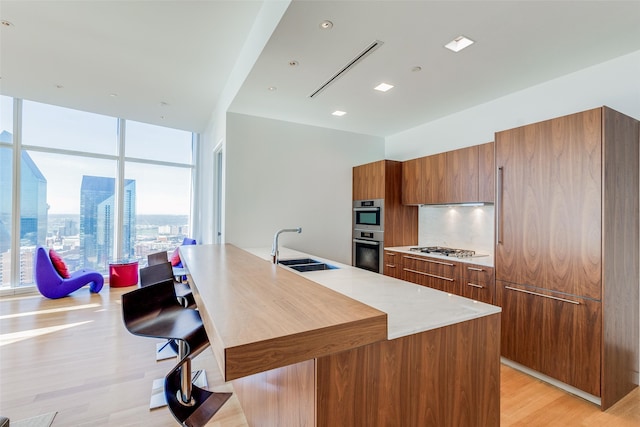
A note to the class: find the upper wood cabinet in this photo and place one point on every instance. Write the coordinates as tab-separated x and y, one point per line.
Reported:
461	176
369	181
434	176
458	176
412	187
486	172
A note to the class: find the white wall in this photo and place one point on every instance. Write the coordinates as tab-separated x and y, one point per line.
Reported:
286	175
614	83
204	209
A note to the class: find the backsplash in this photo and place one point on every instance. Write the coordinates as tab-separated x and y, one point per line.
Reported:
462	227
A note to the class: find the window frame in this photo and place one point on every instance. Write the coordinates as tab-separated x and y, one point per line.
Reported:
121	162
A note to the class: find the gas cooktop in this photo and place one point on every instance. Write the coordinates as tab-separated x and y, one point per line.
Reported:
439	250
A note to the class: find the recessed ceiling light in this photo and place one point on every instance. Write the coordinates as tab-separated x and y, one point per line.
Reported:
416	68
293	63
339	113
59	86
6	23
459	43
272	88
326	25
383	87
113	95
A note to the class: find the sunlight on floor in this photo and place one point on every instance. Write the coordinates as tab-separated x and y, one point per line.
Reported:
23	335
51	310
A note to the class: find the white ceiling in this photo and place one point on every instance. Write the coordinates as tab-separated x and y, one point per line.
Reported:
182	53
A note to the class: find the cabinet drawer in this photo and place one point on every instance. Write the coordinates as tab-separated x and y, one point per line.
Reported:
552	333
392	264
478	283
434	273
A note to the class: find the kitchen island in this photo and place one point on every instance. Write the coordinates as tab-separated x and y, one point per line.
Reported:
344	347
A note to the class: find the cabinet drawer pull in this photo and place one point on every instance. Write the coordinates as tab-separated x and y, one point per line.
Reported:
475	286
542	295
428	260
390	254
427	274
475	269
391	265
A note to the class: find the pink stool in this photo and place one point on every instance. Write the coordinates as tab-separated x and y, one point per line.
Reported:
123	273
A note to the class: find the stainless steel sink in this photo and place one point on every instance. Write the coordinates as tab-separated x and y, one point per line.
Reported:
306	264
297	261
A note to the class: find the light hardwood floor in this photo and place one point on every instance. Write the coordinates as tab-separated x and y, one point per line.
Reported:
74	356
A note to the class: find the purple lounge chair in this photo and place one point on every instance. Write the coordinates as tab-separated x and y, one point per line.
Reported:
52	285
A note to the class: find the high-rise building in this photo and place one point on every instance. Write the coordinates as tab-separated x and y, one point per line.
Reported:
33	199
97	221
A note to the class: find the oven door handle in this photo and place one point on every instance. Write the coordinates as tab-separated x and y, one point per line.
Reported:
366	209
367	242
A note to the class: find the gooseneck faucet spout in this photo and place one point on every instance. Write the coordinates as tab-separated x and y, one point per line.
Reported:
274	248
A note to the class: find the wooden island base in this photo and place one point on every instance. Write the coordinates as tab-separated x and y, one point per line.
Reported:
448	376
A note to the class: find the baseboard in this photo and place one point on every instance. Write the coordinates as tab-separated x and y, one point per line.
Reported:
554	382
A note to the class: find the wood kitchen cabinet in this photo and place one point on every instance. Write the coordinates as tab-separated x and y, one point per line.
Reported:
392	264
383	180
434	178
486	172
460	278
440	274
567	225
369	181
553	333
423	180
412	186
461	176
457	176
478	283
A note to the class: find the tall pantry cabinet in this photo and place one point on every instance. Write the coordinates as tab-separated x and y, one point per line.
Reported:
566	258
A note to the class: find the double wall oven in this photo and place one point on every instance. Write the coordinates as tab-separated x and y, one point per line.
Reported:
368	234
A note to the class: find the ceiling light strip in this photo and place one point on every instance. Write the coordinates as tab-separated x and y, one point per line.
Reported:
369	49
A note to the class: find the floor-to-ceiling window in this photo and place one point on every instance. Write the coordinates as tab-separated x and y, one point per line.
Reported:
94	188
155	159
6	186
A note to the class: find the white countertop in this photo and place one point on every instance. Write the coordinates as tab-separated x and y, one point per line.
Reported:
410	308
485	260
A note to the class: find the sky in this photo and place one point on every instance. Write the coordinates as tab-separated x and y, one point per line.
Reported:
160	189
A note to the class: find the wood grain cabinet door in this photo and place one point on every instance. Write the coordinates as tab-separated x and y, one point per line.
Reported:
549	202
486	173
369	181
443	275
461	175
412	182
552	333
478	283
434	179
392	264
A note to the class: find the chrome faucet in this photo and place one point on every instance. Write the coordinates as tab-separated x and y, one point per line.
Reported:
274	248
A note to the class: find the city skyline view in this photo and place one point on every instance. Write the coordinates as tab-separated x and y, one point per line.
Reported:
68	170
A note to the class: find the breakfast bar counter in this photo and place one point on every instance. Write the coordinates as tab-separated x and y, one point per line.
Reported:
344	346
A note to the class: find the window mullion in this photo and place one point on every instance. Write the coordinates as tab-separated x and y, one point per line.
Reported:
15	195
119	189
